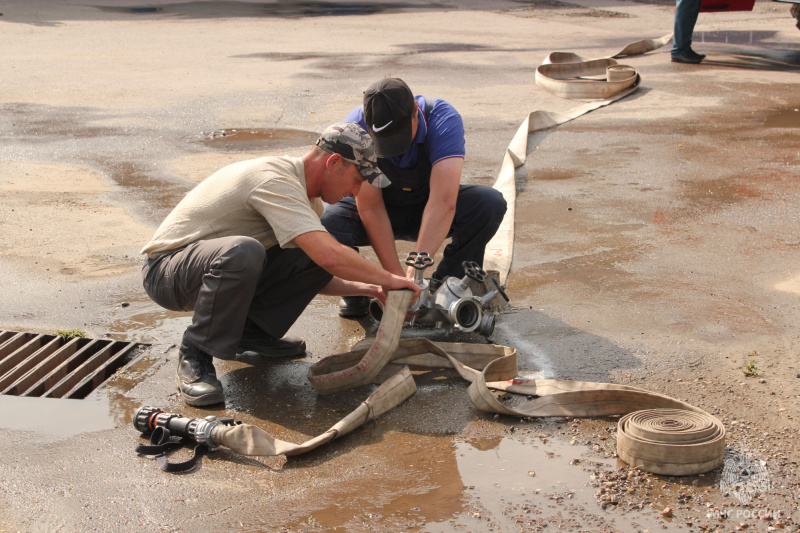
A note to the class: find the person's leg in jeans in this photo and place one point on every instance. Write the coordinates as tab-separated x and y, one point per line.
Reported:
686	13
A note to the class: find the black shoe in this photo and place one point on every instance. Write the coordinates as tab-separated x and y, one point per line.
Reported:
695	54
353	306
686	56
254	339
197	380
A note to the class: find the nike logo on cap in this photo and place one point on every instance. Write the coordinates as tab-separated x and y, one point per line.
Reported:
376	129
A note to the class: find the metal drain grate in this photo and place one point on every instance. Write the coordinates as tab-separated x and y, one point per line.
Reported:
51	366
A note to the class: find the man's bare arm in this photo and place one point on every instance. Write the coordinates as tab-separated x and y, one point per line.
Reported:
347	265
441	207
373	215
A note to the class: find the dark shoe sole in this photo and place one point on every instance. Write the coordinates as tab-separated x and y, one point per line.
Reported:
686	61
289	351
211	398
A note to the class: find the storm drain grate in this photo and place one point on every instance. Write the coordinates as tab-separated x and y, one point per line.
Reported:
51	366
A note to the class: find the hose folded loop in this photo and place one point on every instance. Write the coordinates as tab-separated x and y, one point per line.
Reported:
595	79
569	76
667	437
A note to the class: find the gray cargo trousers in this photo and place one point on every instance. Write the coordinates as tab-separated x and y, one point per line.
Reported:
229	280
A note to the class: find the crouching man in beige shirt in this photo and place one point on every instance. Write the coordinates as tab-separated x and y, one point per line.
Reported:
245	250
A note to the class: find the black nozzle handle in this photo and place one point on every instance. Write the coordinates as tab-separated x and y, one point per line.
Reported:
474	271
500	288
419	260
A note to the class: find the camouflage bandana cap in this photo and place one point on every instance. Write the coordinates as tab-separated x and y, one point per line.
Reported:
354	144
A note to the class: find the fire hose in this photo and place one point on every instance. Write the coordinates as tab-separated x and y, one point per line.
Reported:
656	433
568	76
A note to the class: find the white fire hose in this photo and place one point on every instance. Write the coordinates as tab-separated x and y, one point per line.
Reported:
674	439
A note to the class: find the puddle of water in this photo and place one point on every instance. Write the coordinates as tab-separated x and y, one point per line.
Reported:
515	485
253	139
487	483
784	118
149	323
106	407
280	56
55	417
413	509
435	48
149	190
121	408
273	9
717	192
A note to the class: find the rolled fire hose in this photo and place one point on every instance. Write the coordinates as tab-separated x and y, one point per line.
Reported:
652	444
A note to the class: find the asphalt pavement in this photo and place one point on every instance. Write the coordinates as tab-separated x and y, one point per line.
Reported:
657	245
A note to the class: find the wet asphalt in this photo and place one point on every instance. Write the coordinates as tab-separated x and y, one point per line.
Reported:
657	237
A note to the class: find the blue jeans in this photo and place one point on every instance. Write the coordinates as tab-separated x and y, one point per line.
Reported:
685	18
479	211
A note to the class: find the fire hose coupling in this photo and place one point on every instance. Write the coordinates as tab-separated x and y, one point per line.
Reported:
462	303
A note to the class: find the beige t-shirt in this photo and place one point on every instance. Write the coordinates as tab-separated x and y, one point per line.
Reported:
263	198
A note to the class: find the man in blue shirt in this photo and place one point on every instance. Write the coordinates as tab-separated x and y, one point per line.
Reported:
419	142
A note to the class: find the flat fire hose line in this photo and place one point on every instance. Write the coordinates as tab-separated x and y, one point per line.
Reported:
657	447
568	76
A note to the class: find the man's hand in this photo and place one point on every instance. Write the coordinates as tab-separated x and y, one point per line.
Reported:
341	287
348	266
398	282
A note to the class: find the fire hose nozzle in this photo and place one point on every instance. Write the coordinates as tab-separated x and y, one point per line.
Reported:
149	419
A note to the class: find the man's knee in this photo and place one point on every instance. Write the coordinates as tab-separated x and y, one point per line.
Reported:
243	254
342	221
486	205
496	204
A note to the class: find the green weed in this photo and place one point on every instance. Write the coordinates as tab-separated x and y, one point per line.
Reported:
750	369
71	333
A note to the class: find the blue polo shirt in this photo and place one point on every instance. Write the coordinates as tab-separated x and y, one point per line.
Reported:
441	132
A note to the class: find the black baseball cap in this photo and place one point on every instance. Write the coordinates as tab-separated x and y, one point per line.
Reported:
388	107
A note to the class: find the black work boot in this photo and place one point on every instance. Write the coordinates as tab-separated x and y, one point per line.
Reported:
353	306
254	339
197	380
